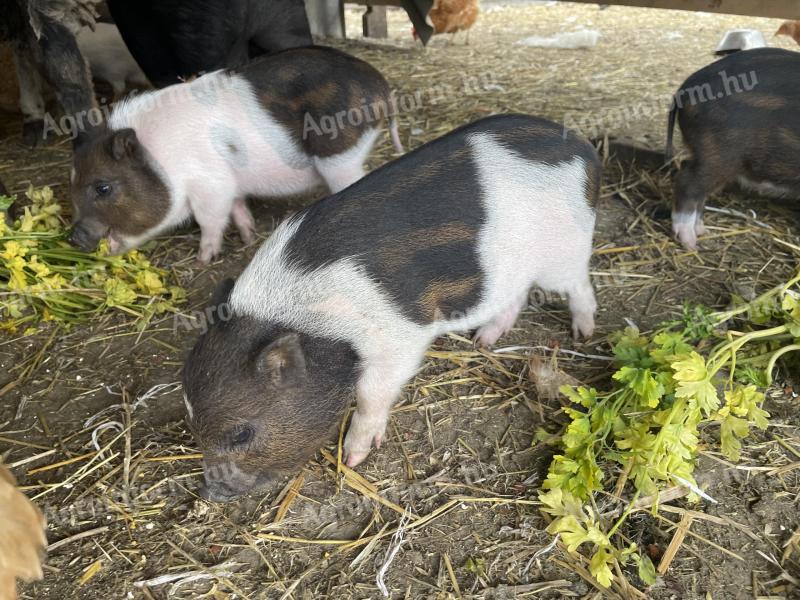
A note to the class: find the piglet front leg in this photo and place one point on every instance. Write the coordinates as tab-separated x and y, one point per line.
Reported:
211	211
377	389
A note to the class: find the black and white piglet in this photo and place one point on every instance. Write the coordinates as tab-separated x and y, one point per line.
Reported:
739	118
347	295
280	125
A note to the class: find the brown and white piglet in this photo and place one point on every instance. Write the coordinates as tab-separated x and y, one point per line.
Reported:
280	125
739	118
345	297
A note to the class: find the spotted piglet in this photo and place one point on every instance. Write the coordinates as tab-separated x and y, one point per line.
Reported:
345	297
278	126
739	118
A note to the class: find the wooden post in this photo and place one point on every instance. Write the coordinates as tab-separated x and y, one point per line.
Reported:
374	22
326	18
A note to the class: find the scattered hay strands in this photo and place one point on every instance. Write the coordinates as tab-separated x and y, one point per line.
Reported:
463	435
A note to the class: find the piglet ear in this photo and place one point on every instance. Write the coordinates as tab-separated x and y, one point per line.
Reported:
124	143
283	361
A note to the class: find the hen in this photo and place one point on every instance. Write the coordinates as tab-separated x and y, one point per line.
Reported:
790	28
451	16
22	538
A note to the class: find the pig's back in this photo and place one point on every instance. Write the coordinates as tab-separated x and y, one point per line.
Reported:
302	86
491	206
762	90
755	126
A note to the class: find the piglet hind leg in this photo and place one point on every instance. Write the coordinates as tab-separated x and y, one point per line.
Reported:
344	169
693	184
492	331
582	305
243	219
378	388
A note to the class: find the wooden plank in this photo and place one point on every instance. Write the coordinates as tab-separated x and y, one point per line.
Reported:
779	9
326	18
374	22
376	2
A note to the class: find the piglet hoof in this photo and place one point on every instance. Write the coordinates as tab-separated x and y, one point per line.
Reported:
355	457
33	133
208	251
486	336
247	234
700	228
205	257
361	435
583	327
686	235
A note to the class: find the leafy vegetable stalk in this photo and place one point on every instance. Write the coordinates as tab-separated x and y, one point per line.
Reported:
43	278
663	391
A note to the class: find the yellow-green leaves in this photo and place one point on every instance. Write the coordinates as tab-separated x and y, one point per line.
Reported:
600	566
742	407
118	293
575	524
51	281
791	304
694	383
646	425
643	383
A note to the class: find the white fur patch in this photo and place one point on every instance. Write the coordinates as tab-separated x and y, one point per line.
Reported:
211	141
538	231
189	409
764	188
342	170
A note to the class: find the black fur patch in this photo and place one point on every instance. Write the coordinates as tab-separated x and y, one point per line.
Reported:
138	201
325	97
227	387
739	116
413	223
14	22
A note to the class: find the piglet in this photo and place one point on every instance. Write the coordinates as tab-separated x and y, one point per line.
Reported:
345	297
739	118
281	125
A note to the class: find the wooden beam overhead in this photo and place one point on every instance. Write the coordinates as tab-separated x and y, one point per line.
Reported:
779	9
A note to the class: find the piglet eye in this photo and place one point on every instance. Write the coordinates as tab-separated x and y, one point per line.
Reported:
241	437
102	189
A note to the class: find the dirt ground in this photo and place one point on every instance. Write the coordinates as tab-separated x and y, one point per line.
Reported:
125	520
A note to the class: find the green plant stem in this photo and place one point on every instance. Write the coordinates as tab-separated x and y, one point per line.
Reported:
716	361
776	356
721	317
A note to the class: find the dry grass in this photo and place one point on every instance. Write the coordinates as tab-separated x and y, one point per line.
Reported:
446	509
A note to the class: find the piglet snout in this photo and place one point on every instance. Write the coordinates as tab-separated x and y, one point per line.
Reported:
83	237
217	491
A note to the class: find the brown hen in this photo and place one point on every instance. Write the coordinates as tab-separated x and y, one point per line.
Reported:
22	538
790	28
450	16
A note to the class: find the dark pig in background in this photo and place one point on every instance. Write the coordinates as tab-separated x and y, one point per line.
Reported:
173	40
281	125
344	298
740	119
109	59
42	36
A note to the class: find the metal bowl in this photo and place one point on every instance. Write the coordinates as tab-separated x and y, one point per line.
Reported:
740	39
